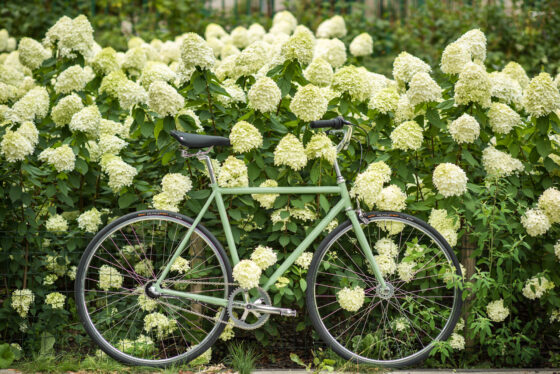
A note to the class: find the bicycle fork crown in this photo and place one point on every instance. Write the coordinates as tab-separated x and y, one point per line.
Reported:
385	292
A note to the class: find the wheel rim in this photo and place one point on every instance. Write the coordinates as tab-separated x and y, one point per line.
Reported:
394	326
129	320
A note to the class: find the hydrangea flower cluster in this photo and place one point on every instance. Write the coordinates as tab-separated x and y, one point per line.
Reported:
90	220
290	152
62	158
473	86
75	78
362	45
233	173
331	50
309	103
181	265
407	136
423	89
320	146
334	27
174	189
450	180
109	277
55	300
32	53
497	311
56	223
406	66
65	109
266	200
391	198
304	260
247	273
351	299
464	129
300	46
541	96
21	301
536	222
264	95
457	341
120	173
245	137
505	88
502	118
445	225
549	203
264	257
369	183
71	36
86	120
536	287
160	324
384	100
498	164
164	99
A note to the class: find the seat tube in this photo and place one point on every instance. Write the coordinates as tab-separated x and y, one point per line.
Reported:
208	163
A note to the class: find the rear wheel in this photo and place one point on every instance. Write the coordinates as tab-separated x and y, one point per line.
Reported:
124	316
390	327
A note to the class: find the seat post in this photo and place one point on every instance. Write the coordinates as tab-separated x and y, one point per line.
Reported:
209	167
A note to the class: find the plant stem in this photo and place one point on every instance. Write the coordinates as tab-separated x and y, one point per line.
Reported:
210	105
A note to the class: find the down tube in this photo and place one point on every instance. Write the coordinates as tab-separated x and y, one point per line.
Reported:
305	243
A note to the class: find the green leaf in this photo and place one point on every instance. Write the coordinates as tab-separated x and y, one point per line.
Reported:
284	240
158	128
543	146
15	193
47	344
127	199
81	166
6	356
303	284
433	116
146	129
324	203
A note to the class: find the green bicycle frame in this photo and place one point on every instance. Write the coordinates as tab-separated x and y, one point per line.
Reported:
216	195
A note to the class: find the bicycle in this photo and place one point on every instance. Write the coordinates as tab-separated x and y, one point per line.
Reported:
155	288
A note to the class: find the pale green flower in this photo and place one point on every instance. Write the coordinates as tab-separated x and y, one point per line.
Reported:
502	118
454	58
196	52
309	104
473	86
89	221
264	95
334	27
422	89
331	50
21	301
505	88
264	257
120	173
320	146
351	299
516	71
450	180
245	137
156	71
65	109
406	66
105	61
247	273
251	60
290	152
362	45
384	100
55	300
62	158
391	198
15	146
75	78
300	46
32	53
541	97
407	136
266	200
164	99
86	120
464	129
319	72
549	203
233	173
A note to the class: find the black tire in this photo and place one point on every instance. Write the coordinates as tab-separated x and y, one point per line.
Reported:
313	308
80	282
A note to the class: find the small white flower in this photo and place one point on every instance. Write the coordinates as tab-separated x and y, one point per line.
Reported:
264	257
351	299
247	273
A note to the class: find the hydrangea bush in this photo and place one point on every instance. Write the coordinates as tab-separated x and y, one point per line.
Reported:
85	138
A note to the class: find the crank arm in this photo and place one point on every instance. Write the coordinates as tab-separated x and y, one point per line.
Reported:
271	310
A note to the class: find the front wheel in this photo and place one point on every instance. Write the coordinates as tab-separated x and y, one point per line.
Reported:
393	327
119	309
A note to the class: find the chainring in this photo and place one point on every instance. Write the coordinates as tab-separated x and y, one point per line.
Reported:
233	305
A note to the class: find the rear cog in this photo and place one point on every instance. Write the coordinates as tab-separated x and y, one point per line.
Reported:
248	319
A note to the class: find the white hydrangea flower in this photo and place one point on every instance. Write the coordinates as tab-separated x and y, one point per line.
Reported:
86	120
105	61
120	173
362	45
516	71
55	300
266	200
144	267
457	341
505	88
300	46
331	50
50	279
475	42
368	184
536	222
304	260
62	158
247	273
498	164
549	203
287	17
464	129
391	198
319	72
406	66
320	146
240	37
146	303
309	104
75	78
170	52
473	86
21	301
404	111
351	299
264	257
56	223
176	184
264	95
334	27
422	89
164	99
156	71
245	137
541	97
72	35
251	60
440	220
160	324
33	105
406	271
109	277
110	144
387	247
454	58
56	264
536	287
134	61
407	136
214	30
450	180
235	92
131	93
386	264
290	152
72	272
90	220
502	118
195	52
65	109
165	201
15	146
112	83
353	80
32	53
384	100
233	173
181	265
497	311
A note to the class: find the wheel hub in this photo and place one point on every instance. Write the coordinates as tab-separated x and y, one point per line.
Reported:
150	290
386	292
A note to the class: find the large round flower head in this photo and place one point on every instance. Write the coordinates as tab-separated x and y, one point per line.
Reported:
300	46
164	99
450	180
499	164
266	200
166	201
404	111
516	72
30	132
131	93
229	50
319	72
386	246
195	52
368	184
502	118
362	45
74	78
549	203
15	146
105	61
473	86
391	198
214	30
233	173
351	299
11	75
183	73
309	104
536	222
4	40
245	137
497	311
352	80
454	58
156	71
264	257
387	265
32	53
86	120
304	260
334	27
541	97
21	301
247	273
72	35
120	173
505	88
290	152
264	95
33	105
177	185
56	223
216	45
441	220
475	42
464	129
226	68
251	59
331	50
240	37
161	325
111	83
134	60
62	158
285	17
406	66
170	52
55	300
407	136
320	146
536	287
110	144
65	109
384	100
422	88
235	92
457	341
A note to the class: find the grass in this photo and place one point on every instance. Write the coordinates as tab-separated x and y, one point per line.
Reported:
242	358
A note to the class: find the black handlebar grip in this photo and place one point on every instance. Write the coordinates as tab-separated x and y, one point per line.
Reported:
335	123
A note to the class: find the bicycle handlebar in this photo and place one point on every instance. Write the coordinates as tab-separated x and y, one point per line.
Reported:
335	123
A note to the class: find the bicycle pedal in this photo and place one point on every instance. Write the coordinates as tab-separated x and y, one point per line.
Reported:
288	313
